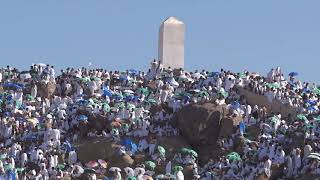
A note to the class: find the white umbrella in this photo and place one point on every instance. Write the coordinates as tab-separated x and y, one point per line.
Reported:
103	163
41	64
198	75
128	91
113	169
146	177
315	154
92	164
25	76
231	77
129	171
138	171
174	83
314	157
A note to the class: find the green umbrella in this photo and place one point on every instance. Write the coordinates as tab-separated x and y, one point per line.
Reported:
114	131
91	102
151	101
317	118
242	75
131	178
125	126
136	120
272	85
186	94
61	166
224	94
125	94
185	150
120	105
302	117
308	126
131	106
8	167
3	156
316	91
144	91
189	151
97	79
118	94
19	170
178	168
106	107
203	94
234	156
29	97
274	119
161	150
84	79
150	164
193	153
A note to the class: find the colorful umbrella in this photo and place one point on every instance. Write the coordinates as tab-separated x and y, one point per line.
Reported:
103	163
89	171
189	151
128	91
316	91
302	117
82	118
34	121
133	72
311	156
178	168
13	85
161	150
317	118
19	170
203	94
308	126
118	95
3	156
92	164
144	91
151	101
274	119
224	94
106	107
146	177
116	124
233	156
8	167
113	169
292	74
272	85
120	105
242	75
61	166
150	164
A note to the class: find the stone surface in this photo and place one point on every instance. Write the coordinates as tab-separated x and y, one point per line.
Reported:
171	43
202	125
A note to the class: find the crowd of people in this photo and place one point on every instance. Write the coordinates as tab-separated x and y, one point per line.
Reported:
43	115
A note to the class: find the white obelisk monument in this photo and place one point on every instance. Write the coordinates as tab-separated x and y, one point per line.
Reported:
171	43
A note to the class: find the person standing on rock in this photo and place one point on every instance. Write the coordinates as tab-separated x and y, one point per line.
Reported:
34	90
168	168
179	175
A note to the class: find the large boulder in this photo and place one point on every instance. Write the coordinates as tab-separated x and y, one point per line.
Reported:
203	124
46	90
89	150
261	100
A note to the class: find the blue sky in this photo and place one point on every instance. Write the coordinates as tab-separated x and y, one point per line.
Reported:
119	34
